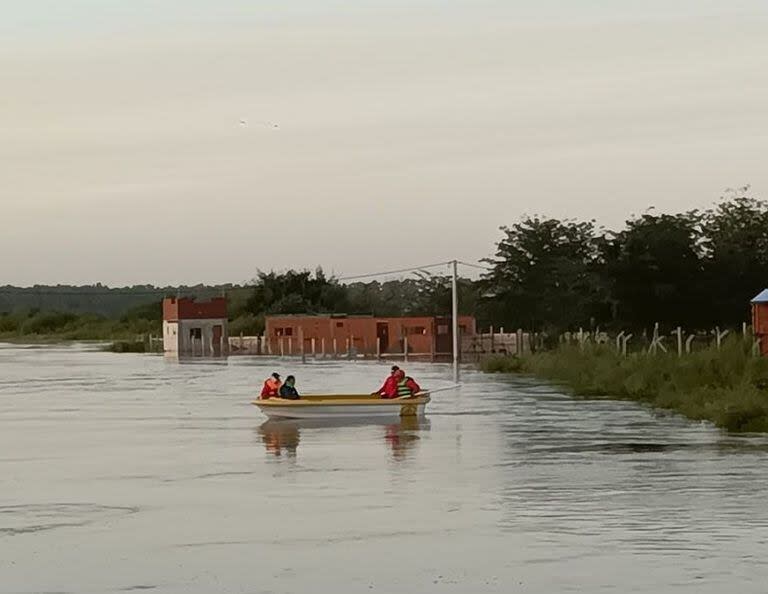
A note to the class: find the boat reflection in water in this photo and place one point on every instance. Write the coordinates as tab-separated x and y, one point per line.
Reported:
403	436
281	437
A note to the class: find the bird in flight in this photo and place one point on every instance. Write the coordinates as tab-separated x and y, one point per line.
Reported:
273	125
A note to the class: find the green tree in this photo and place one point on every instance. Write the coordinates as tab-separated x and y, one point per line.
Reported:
294	292
654	269
736	243
546	274
435	295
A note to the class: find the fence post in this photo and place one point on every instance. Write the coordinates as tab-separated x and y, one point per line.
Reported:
378	348
656	342
619	341
301	341
519	342
689	343
624	345
719	336
679	341
405	348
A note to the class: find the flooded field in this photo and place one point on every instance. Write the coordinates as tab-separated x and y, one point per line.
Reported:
124	473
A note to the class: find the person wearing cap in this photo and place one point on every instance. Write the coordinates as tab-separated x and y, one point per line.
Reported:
389	389
271	387
406	386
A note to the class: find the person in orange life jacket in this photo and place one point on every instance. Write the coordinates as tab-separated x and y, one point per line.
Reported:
389	389
406	386
271	387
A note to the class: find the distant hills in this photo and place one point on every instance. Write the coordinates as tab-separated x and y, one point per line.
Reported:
99	299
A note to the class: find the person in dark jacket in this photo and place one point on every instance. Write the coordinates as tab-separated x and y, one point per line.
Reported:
288	389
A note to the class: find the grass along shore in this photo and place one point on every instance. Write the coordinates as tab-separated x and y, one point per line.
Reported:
728	387
32	327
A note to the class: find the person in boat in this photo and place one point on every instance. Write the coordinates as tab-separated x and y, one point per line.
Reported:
389	389
406	386
288	389
271	387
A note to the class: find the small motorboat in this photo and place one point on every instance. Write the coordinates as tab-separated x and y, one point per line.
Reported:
349	406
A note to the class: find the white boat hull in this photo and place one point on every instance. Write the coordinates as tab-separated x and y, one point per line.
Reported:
339	407
338	412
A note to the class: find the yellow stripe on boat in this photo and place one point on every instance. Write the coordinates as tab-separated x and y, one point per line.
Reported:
342	405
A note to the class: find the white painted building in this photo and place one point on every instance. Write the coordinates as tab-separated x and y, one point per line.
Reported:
192	329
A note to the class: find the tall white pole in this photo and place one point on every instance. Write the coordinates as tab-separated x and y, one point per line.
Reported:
455	291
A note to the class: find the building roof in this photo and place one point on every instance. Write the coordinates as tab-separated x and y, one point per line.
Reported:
762	297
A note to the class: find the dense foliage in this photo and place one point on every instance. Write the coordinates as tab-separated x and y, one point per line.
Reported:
68	326
696	269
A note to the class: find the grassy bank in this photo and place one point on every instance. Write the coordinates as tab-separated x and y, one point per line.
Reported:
728	387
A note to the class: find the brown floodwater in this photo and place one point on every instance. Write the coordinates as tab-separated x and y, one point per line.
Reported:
130	473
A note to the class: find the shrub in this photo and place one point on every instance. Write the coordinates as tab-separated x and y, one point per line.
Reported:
728	387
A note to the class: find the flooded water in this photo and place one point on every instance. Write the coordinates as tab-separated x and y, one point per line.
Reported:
123	473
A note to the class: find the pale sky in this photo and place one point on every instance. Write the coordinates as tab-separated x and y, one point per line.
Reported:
408	131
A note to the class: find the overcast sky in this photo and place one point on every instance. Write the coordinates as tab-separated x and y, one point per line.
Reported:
379	136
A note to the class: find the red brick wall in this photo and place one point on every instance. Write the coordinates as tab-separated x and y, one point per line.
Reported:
189	309
170	309
360	331
760	318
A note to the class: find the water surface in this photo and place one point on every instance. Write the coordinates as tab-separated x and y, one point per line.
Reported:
126	473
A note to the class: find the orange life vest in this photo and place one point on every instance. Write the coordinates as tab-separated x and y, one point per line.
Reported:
271	388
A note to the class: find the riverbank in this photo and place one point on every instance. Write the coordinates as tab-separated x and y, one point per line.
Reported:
728	387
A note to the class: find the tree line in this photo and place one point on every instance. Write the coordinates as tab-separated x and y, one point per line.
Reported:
95	299
696	269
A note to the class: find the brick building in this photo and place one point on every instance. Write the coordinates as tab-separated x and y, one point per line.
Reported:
335	334
195	329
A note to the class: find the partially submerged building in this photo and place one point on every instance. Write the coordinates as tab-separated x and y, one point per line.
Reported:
195	329
335	334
